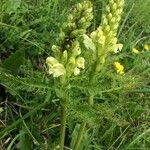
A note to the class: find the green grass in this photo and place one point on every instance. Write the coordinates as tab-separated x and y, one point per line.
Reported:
30	119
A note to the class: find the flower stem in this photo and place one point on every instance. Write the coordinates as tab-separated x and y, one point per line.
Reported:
63	126
82	128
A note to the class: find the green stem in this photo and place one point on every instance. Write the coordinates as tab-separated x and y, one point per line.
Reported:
63	126
82	128
91	102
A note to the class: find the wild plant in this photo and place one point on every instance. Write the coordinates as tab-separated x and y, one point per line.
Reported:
71	58
75	85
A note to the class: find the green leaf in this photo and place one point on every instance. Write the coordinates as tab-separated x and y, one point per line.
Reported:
13	5
13	140
14	61
24	142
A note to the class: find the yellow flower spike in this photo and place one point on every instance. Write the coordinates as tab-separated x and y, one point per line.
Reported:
119	68
135	51
147	47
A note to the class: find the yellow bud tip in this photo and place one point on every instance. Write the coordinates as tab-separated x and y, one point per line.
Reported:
147	47
135	51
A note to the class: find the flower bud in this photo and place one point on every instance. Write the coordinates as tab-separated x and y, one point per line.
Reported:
78	32
114	7
79	7
64	57
70	17
80	62
108	9
110	16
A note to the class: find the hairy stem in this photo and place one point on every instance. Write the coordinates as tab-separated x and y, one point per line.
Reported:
63	126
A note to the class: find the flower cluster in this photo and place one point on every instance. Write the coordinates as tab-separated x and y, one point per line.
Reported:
105	36
75	26
119	68
79	20
67	51
57	69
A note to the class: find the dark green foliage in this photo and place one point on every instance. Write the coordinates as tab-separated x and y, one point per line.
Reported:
14	61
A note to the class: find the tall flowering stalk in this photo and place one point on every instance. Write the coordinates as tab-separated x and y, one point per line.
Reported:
104	40
67	60
105	37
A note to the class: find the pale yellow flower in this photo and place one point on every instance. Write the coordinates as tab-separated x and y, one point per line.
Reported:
134	50
147	47
51	61
80	62
118	47
55	68
119	68
76	71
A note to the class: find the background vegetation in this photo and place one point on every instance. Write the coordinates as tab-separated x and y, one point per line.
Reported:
29	109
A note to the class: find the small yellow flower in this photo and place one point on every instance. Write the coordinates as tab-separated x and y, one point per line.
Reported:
135	51
147	47
119	68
